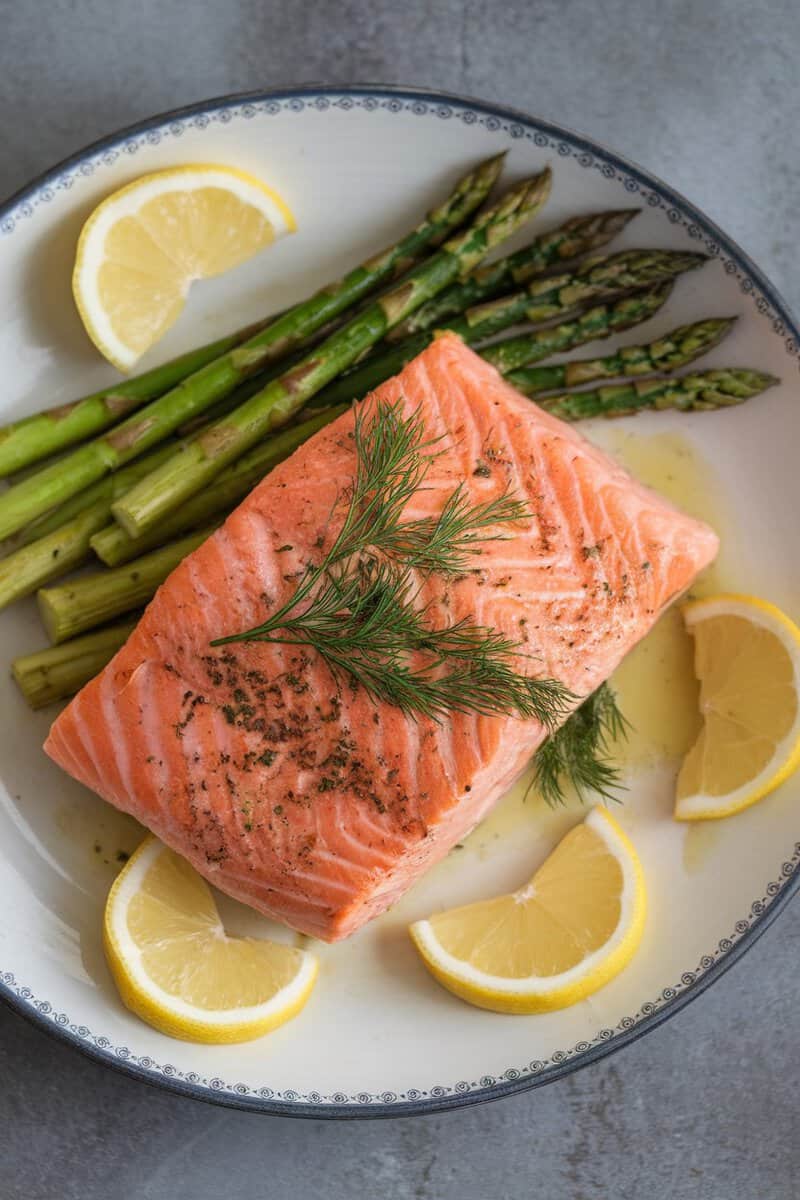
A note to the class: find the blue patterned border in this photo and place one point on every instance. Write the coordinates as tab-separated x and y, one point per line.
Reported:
25	206
440	1096
424	105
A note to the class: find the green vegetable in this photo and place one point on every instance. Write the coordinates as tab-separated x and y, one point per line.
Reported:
357	608
543	301
60	671
667	353
704	390
71	608
64	537
577	236
114	546
593	324
150	500
197	392
33	438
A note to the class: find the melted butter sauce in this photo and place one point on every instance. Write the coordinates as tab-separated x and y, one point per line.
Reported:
656	686
656	689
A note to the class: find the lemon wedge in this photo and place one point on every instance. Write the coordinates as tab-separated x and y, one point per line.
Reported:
747	658
554	942
143	246
176	968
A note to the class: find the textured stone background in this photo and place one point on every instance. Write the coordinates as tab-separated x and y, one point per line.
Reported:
706	95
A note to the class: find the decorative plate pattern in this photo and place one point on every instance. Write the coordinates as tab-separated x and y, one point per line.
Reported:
33	200
511	1079
444	108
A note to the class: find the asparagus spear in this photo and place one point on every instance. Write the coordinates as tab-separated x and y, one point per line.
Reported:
66	543
149	501
549	299
577	236
238	396
124	478
114	546
251	386
702	391
71	608
104	490
542	301
22	572
33	438
60	671
197	392
113	486
667	353
593	324
109	593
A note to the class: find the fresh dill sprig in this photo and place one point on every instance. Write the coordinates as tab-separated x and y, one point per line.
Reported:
443	544
578	752
391	465
359	607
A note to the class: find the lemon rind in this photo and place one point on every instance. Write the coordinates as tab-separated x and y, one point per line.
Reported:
127	201
585	977
166	1011
701	806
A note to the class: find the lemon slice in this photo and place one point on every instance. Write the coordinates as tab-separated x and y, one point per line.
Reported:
176	968
143	245
747	658
571	930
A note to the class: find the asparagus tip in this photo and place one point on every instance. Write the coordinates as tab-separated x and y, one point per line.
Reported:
661	291
621	215
721	326
537	190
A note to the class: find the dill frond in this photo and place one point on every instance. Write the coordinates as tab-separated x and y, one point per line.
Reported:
578	752
358	608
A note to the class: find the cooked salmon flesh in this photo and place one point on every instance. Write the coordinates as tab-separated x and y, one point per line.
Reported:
296	793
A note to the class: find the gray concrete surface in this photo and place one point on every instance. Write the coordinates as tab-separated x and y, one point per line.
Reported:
705	94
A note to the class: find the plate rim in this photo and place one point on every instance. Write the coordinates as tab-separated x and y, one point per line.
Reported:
22	203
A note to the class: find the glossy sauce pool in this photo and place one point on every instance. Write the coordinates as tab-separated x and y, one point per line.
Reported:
656	690
656	686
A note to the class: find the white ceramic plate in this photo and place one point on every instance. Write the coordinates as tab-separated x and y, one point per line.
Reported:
379	1037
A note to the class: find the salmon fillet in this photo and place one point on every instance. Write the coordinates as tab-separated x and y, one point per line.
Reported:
305	799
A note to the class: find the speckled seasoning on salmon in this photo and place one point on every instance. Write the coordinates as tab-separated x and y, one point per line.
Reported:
308	801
